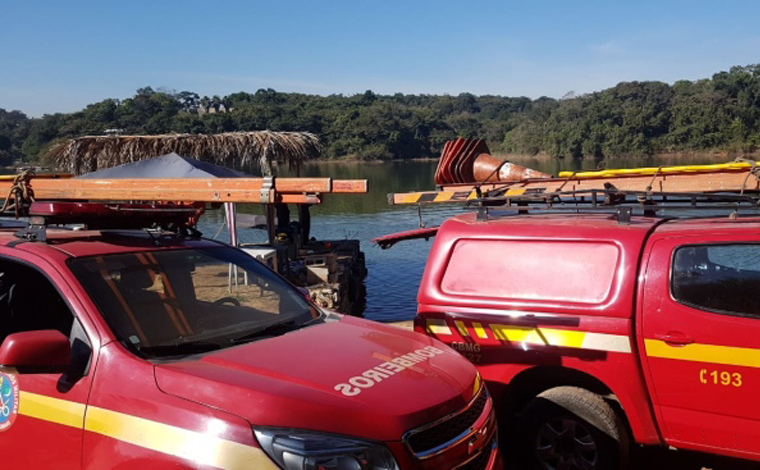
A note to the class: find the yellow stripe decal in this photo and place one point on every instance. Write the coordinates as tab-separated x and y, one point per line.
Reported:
201	448
567	338
443	196
515	192
715	354
516	334
67	413
436	196
410	199
462	328
438	327
479	330
562	338
198	447
476	387
538	336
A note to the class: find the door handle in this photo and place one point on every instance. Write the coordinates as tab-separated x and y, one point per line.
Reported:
679	339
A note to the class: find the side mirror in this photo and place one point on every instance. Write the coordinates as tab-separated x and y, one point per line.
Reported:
36	351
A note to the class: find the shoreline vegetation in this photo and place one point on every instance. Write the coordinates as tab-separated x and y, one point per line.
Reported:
716	118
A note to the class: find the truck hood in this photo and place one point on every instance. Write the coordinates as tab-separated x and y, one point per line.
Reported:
352	377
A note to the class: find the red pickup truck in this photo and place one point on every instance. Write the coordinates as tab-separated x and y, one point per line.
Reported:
153	349
594	332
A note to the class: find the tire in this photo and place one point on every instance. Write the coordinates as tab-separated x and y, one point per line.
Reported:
571	428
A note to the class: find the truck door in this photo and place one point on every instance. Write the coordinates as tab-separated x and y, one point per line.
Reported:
700	341
42	413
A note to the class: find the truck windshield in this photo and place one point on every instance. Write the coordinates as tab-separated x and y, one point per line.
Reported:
188	301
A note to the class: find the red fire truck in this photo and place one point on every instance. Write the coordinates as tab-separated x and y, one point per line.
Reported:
601	325
154	349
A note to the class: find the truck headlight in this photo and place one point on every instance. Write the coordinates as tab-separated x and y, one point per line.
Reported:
294	449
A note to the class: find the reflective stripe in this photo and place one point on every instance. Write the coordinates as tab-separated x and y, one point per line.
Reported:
542	336
437	196
715	354
438	327
538	336
201	448
606	342
198	447
443	196
479	330
462	328
67	413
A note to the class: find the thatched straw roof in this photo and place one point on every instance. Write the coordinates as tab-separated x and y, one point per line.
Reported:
242	150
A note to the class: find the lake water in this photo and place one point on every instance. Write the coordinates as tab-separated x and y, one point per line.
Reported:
394	274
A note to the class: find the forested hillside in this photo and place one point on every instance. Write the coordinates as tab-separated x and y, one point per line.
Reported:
633	118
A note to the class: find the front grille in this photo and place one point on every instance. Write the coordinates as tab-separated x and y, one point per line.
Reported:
478	463
451	427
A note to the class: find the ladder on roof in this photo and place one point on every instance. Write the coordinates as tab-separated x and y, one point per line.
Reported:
268	190
466	172
730	177
26	195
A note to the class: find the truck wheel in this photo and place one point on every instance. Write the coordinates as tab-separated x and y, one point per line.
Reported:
570	428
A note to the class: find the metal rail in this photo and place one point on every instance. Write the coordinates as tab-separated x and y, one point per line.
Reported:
613	196
621	203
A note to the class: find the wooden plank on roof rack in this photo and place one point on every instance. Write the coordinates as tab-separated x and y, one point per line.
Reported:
727	180
349	186
13	176
241	190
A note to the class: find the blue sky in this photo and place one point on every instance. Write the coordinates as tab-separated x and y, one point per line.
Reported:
60	56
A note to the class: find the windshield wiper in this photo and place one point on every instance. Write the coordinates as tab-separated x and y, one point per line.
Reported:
175	349
274	330
267	331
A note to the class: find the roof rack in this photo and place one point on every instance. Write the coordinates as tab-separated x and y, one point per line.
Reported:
612	196
621	203
467	174
457	184
179	218
171	202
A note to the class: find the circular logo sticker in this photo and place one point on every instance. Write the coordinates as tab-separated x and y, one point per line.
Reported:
9	401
